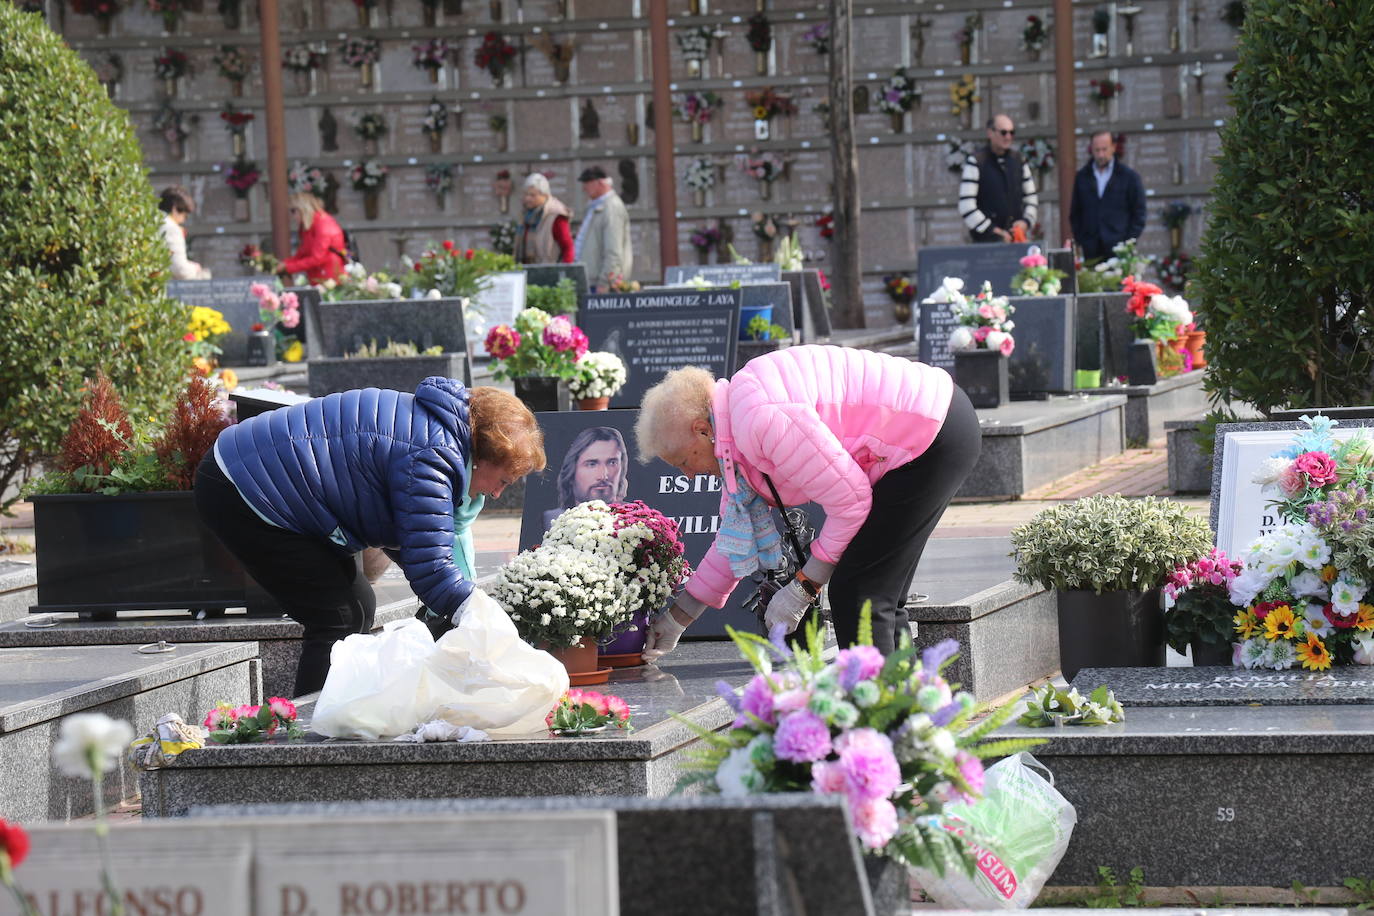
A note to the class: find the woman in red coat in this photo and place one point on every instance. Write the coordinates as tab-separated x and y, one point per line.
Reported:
322	252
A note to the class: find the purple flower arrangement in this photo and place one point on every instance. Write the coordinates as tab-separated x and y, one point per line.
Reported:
890	735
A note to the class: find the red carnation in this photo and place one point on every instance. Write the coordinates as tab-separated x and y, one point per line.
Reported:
14	842
448	245
469	254
1338	620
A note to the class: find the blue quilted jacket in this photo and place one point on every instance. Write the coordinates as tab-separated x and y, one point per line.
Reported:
365	468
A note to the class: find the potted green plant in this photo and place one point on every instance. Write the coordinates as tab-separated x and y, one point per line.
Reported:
1198	612
1108	556
539	355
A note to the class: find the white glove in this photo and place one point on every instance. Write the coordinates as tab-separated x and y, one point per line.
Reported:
787	606
458	614
664	632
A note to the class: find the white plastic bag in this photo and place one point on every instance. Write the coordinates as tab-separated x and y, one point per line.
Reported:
478	674
1026	824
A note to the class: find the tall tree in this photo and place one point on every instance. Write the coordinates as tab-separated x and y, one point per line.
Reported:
846	286
1286	275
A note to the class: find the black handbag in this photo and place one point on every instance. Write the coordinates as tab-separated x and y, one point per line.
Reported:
796	550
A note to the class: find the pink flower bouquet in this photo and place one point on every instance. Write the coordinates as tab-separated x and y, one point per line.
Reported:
253	724
581	711
890	735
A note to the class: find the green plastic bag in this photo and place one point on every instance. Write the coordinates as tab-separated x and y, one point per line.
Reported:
1026	824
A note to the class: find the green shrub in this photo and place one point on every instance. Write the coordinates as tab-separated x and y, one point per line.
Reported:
1108	543
1285	279
83	270
556	300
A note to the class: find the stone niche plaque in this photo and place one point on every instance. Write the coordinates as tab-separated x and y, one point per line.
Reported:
1352	684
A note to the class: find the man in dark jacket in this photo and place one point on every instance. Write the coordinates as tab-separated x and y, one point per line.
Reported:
1108	201
297	493
996	188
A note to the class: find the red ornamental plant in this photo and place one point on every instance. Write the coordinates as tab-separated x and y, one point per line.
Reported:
760	34
1102	90
171	64
241	176
826	223
495	54
100	9
235	120
100	434
14	848
195	425
900	289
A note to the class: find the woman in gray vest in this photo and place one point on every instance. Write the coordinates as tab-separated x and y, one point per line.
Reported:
545	236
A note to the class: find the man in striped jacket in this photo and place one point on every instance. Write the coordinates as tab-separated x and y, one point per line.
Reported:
996	189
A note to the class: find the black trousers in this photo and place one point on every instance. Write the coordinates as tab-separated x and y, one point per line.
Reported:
318	585
879	564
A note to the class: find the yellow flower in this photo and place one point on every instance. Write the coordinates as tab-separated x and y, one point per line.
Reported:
294	352
1246	624
229	378
1279	623
760	113
1364	617
1313	654
1328	574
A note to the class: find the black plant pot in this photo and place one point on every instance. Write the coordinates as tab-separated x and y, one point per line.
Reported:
1110	630
1141	365
1210	655
983	376
543	393
102	554
262	350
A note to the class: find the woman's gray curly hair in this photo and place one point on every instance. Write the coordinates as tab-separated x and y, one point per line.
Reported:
664	426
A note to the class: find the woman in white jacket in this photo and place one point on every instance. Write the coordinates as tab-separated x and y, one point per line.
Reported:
176	205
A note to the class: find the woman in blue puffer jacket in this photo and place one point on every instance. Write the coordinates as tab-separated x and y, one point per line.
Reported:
298	492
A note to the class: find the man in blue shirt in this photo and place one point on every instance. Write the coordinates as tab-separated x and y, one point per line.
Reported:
1108	201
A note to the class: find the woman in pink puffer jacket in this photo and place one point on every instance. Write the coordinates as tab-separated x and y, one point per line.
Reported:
880	443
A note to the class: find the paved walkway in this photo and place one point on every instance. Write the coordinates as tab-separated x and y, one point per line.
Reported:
1135	472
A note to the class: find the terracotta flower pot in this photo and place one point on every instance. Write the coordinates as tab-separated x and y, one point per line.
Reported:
1196	341
581	663
1175	238
365	76
433	74
761	63
436	142
594	403
696	131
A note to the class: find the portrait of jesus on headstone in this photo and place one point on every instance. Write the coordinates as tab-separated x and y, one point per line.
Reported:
596	466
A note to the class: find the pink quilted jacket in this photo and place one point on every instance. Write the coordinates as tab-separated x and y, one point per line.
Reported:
825	423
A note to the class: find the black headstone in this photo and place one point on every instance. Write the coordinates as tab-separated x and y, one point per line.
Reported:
1062	260
249	402
1231	686
550	274
808	305
337	329
1044	356
724	274
1091	335
996	263
1043	360
1117	333
230	297
653	342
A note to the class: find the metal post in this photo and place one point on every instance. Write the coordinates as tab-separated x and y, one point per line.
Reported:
277	190
1067	154
665	177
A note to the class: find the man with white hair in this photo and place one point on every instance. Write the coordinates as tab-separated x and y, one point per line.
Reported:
603	239
545	236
